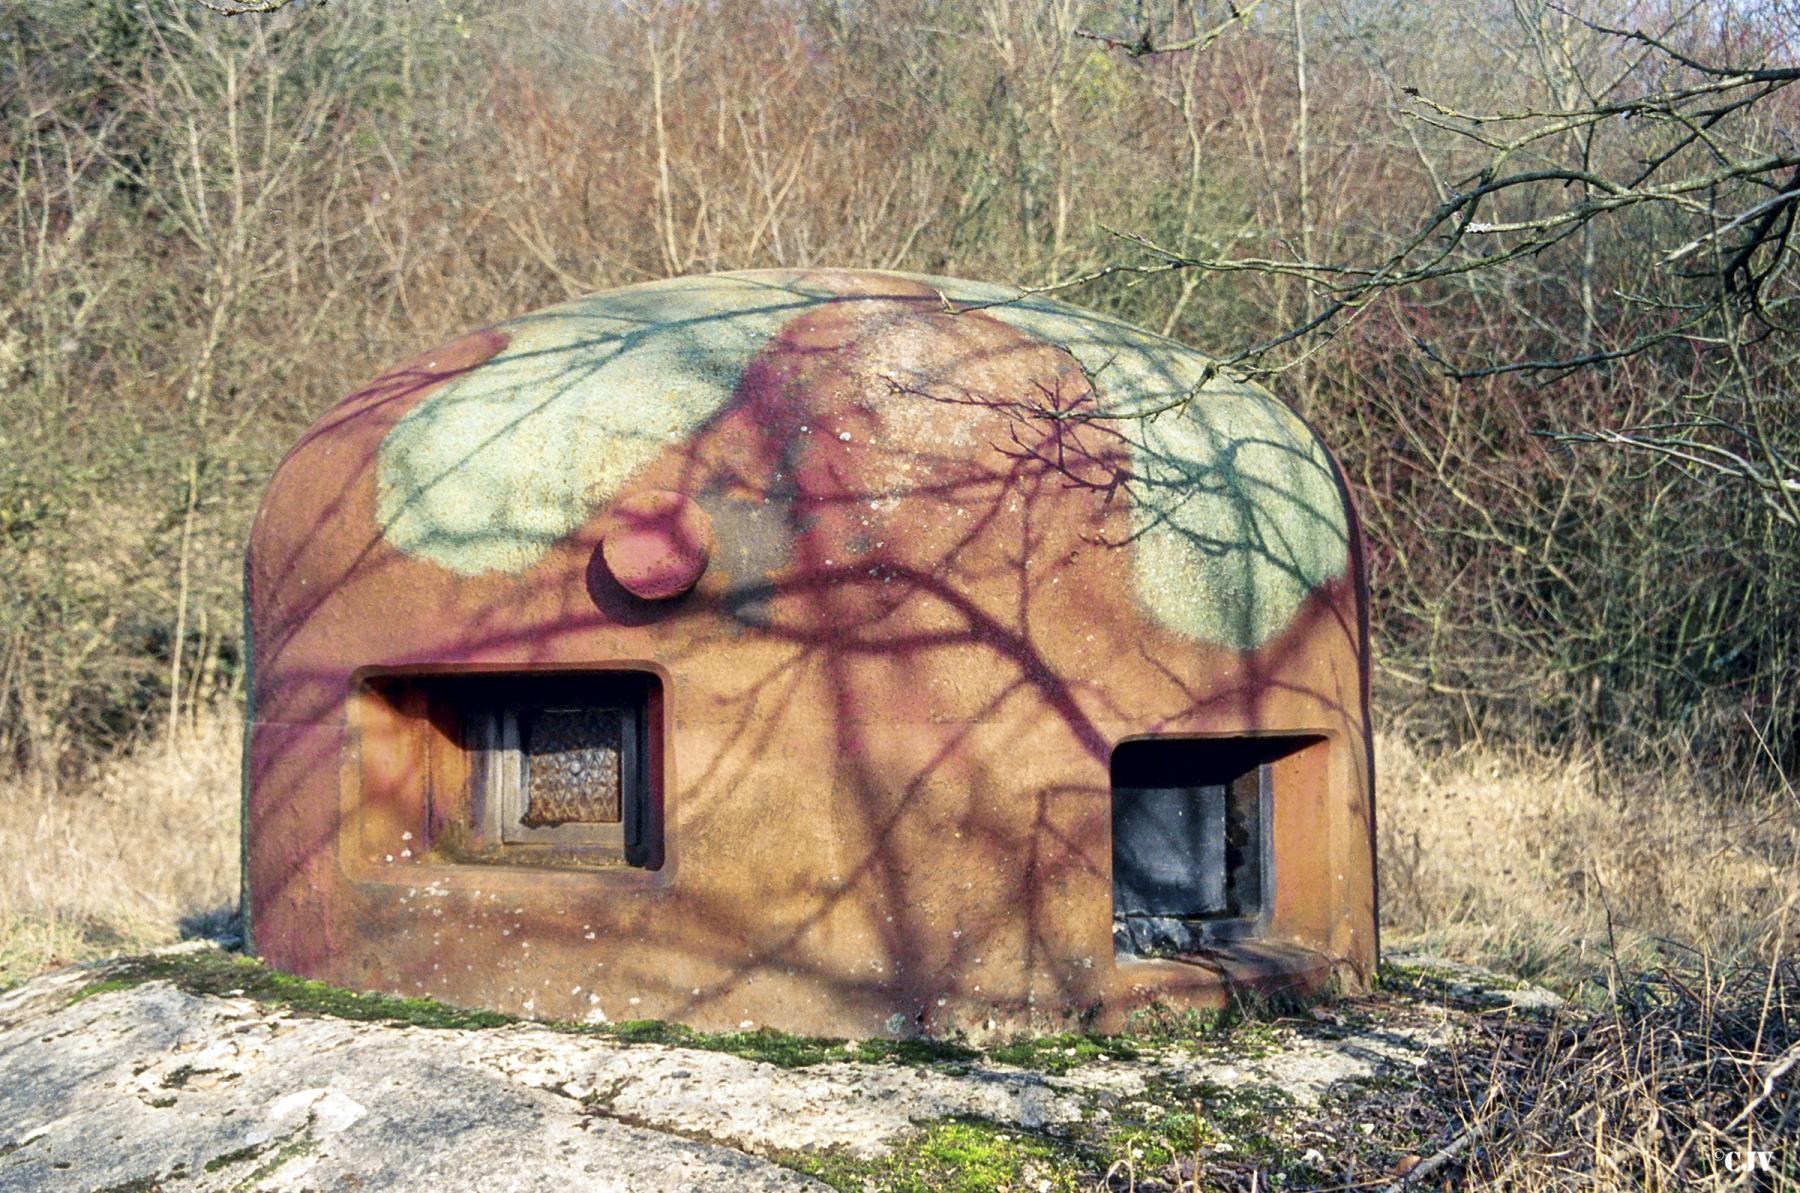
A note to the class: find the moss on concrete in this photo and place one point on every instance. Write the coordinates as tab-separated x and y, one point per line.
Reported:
780	1048
1139	1139
180	1075
218	973
223	974
1169	1126
288	1151
154	1183
227	974
234	1157
1060	1053
104	986
955	1156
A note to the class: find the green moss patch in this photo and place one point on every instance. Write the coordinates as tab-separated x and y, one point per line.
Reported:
1060	1053
144	1184
227	974
234	1157
104	986
222	974
180	1075
956	1156
1237	1134
780	1048
288	1151
1172	1122
1166	1132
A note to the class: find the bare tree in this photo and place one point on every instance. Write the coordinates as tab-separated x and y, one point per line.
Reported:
1708	173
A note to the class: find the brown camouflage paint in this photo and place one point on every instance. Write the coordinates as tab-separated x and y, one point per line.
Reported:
656	544
886	713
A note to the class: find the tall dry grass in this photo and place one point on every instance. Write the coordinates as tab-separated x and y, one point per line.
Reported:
1684	1080
141	850
1556	868
1664	906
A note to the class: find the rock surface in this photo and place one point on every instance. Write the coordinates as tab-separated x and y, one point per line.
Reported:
151	1087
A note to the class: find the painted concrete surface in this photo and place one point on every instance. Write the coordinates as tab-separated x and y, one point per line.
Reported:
1235	510
953	563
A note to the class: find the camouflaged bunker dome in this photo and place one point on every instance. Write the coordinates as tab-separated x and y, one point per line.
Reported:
844	652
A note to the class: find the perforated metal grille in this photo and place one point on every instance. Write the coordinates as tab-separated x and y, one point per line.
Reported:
572	767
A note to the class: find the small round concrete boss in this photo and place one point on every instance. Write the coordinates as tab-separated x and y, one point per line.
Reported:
656	544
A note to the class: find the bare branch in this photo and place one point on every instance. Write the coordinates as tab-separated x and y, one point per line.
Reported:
1143	43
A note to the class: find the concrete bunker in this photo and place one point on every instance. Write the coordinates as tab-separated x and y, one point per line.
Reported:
845	652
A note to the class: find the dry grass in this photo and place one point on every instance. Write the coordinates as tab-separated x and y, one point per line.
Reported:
1545	867
1685	1081
1670	917
144	849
